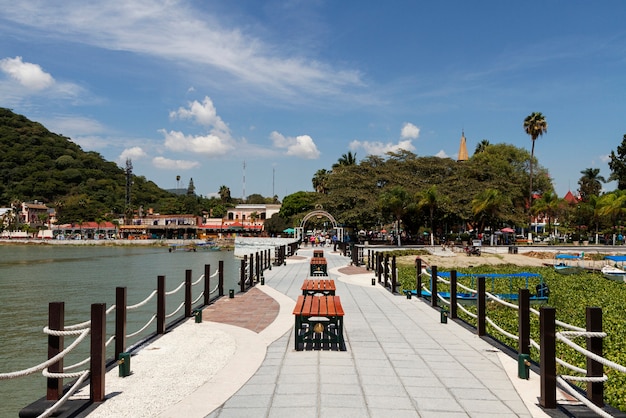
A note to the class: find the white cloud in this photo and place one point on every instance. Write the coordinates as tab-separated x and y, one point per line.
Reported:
168	164
441	154
301	146
380	148
409	131
134	153
204	114
208	145
29	75
204	41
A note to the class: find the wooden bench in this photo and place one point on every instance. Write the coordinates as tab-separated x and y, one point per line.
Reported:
319	267
318	253
317	286
319	323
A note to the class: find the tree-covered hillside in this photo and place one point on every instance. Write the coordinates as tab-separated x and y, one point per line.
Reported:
36	164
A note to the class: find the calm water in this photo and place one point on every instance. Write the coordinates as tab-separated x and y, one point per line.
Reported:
33	276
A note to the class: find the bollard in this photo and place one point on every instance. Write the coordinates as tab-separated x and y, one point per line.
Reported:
408	294
262	280
523	366
231	293
197	314
374	282
124	364
444	316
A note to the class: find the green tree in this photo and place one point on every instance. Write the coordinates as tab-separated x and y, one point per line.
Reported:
430	199
345	160
297	203
617	164
535	125
590	184
481	146
396	201
548	204
489	206
320	180
224	193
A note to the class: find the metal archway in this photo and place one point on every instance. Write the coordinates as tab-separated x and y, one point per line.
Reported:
299	232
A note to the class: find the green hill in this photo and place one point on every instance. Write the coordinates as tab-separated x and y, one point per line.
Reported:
36	164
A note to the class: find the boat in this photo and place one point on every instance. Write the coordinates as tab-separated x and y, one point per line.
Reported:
516	280
569	263
612	271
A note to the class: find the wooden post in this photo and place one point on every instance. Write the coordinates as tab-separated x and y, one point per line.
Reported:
523	321
220	276
394	277
386	272
98	351
207	284
453	298
433	287
418	277
242	274
160	305
251	270
379	261
120	320
56	322
481	326
259	272
595	390
547	330
188	298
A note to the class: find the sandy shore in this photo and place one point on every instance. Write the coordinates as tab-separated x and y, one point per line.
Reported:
449	259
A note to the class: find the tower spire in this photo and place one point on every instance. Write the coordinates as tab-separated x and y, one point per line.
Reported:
463	156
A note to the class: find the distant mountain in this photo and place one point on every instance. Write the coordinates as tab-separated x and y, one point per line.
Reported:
36	164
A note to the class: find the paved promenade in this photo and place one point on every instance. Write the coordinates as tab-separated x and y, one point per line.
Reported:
400	360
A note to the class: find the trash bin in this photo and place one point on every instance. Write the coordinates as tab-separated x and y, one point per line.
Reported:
197	314
124	364
523	366
444	316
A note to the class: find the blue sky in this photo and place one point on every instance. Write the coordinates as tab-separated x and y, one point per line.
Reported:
195	88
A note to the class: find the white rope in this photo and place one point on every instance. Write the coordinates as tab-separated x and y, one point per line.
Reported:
111	309
198	281
587	353
171	292
143	302
80	326
61	333
564	385
470	314
48	412
501	301
198	298
595	379
571	366
176	311
54	375
214	274
535	344
75	365
443	300
588	334
143	328
47	363
110	340
501	331
215	288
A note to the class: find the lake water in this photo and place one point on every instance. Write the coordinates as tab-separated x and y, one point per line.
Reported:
32	276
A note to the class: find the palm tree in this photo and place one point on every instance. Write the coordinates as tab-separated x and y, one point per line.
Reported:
535	125
612	205
396	201
346	160
489	206
430	199
481	146
590	183
549	204
320	181
224	193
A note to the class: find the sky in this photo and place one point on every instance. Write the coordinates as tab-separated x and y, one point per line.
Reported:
260	95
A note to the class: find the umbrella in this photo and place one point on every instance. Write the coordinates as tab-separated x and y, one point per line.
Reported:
289	231
383	231
507	230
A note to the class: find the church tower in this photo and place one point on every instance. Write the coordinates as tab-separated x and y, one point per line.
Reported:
463	149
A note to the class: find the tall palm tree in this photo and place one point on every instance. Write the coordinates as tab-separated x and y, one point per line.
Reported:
224	193
488	207
481	146
320	180
535	125
430	199
590	183
346	160
396	201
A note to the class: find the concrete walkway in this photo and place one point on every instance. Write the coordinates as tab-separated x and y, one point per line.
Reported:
400	361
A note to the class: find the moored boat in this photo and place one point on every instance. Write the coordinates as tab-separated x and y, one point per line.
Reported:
612	270
568	263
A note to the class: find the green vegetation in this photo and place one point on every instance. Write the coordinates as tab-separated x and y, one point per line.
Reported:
570	295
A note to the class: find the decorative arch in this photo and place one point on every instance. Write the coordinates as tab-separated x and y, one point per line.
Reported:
319	213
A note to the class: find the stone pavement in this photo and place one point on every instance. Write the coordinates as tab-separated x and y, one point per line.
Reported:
400	361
